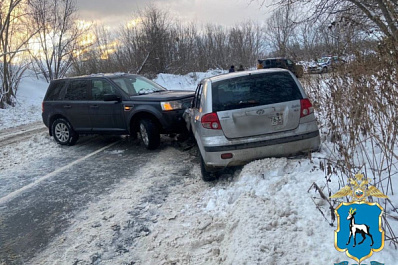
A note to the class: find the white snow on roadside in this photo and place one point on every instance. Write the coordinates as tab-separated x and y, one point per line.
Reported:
185	82
263	214
30	94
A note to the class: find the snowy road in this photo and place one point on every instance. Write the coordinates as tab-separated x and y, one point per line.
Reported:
40	195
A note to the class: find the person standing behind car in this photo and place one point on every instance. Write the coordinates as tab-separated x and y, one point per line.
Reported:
232	69
241	68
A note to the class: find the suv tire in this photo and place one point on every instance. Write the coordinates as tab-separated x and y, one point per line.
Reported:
206	175
149	134
63	132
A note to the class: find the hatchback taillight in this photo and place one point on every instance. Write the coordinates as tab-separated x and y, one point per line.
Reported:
42	106
306	107
211	121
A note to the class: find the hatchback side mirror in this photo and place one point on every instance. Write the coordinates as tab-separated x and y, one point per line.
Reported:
112	97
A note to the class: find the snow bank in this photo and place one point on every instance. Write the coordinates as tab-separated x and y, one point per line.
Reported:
185	82
30	94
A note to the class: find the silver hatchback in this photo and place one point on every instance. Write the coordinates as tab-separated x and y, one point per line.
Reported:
240	117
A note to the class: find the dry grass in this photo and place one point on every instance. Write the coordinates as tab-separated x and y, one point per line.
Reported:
358	110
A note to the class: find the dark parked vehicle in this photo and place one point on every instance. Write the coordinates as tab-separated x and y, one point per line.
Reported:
120	104
284	63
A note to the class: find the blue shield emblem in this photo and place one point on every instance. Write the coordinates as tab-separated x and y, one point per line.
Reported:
359	231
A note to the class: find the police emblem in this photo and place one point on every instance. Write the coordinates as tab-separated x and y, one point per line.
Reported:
359	232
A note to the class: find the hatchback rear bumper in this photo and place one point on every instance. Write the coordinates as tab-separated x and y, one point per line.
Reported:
243	153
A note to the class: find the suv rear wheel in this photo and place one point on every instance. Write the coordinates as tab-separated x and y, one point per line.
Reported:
149	134
63	132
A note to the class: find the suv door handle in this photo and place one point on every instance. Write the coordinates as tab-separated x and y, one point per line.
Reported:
93	106
67	106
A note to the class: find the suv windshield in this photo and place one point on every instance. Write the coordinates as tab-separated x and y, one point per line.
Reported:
254	90
137	85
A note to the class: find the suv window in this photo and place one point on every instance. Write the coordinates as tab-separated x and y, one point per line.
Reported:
137	85
280	63
254	90
100	88
54	90
77	90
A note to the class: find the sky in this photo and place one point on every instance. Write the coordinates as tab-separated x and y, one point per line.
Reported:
221	12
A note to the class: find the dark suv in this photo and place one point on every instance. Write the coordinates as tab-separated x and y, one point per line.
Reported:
279	62
113	104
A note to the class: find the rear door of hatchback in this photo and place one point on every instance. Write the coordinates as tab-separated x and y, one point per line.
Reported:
257	104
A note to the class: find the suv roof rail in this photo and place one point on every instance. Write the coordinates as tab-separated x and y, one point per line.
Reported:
108	74
98	74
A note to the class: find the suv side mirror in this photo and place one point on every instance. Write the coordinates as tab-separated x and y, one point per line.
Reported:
112	97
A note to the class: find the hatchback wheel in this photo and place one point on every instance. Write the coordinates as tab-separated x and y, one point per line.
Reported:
63	132
206	174
149	134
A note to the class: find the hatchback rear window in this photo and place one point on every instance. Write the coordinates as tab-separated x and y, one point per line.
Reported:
254	90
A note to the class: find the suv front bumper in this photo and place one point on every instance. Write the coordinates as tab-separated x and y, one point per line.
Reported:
173	122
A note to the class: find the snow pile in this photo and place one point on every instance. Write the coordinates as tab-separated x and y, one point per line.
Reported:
185	82
30	94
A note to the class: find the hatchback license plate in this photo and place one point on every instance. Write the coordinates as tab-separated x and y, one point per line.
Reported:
277	120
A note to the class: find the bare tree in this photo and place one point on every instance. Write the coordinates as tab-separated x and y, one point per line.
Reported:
102	56
246	43
14	35
281	28
59	36
153	43
148	44
382	14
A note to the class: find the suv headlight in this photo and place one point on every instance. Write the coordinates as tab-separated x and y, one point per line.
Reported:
171	105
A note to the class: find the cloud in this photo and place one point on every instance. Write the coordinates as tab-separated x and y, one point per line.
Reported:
222	12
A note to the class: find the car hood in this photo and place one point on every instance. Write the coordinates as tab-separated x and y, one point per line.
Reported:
165	95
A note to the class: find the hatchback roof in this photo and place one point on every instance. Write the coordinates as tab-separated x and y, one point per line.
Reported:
244	73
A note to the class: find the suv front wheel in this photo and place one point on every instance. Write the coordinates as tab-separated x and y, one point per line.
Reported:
149	134
63	132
